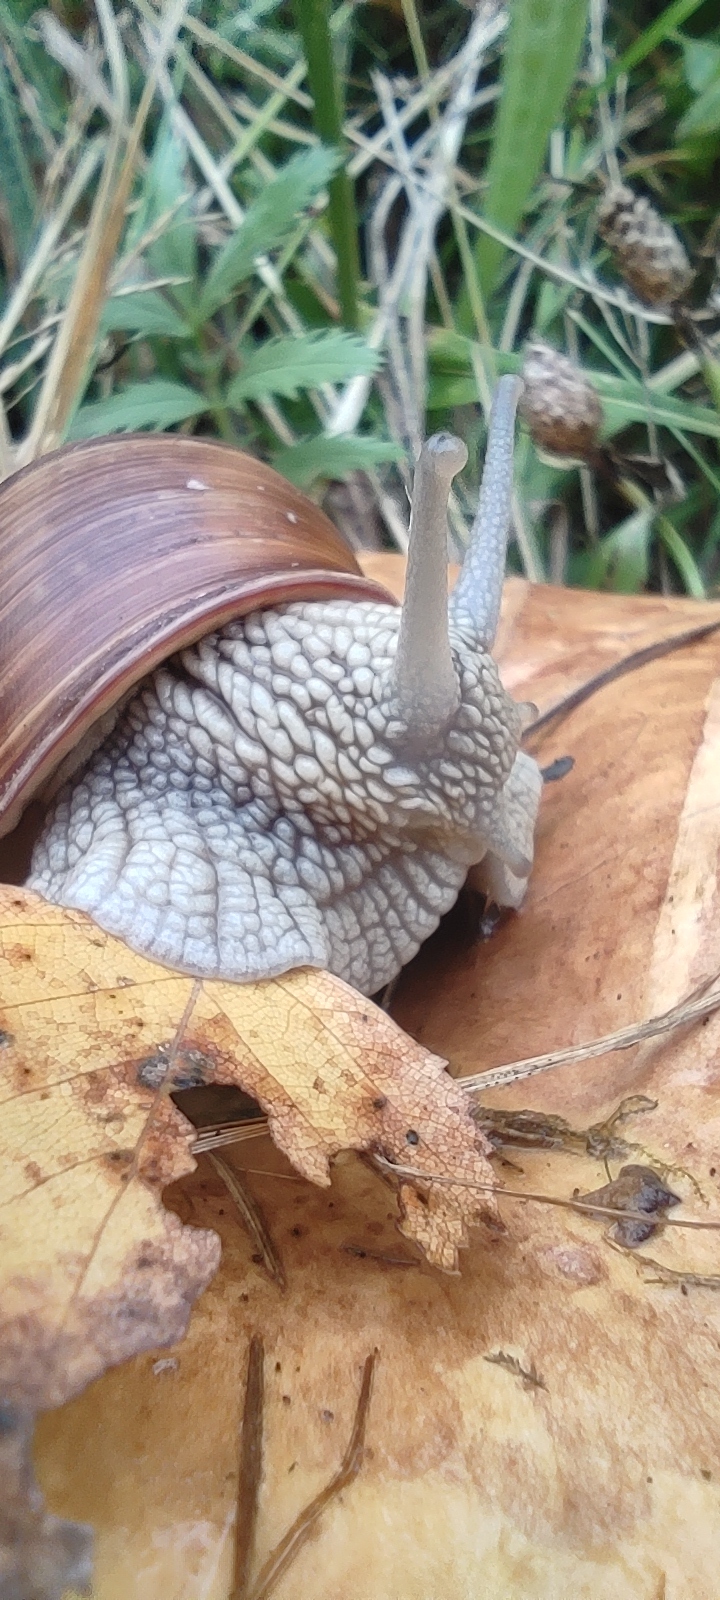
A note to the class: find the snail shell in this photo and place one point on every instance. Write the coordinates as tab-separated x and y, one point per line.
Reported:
117	552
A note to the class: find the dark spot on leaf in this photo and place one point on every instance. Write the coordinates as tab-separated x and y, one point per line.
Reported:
6	1039
188	1069
380	1102
412	1137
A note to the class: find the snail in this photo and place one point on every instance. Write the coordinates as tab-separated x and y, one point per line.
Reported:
253	759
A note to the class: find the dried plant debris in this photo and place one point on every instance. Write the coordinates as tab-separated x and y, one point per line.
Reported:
559	404
251	1469
540	1130
557	769
635	1189
646	250
304	1526
675	1277
252	1216
529	1376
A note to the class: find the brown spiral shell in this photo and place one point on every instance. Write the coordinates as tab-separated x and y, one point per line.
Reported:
117	552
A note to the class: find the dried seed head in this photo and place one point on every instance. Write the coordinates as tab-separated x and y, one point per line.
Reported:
560	406
647	251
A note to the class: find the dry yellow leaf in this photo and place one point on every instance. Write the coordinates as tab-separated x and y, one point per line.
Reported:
94	1269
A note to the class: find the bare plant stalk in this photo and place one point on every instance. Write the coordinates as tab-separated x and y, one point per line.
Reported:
253	1218
697	1005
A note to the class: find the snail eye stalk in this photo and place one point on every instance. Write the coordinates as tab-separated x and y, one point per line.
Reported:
423	679
475	602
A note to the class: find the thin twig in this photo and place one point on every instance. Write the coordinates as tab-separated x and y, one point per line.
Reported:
251	1467
698	1004
304	1526
630	663
590	1207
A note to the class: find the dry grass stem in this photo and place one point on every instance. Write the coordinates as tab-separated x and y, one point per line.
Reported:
304	1526
251	1467
253	1218
699	1004
590	1208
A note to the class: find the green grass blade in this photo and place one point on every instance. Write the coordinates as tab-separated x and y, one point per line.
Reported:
661	29
16	180
312	18
621	561
683	558
544	42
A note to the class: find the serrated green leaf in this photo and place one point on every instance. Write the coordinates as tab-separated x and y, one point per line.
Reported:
267	222
282	366
146	312
174	253
332	458
156	404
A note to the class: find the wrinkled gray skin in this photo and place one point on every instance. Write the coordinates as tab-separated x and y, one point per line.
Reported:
312	784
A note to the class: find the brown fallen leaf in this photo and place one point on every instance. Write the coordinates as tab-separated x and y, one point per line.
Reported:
94	1269
606	1485
93	1040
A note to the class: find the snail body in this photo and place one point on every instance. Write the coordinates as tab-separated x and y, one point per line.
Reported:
309	777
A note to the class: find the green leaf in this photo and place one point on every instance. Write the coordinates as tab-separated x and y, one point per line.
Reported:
621	561
267	222
703	116
156	404
701	59
683	558
332	458
174	253
545	38
282	366
146	312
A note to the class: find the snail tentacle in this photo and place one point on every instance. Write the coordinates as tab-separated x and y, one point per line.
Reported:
476	598
423	682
